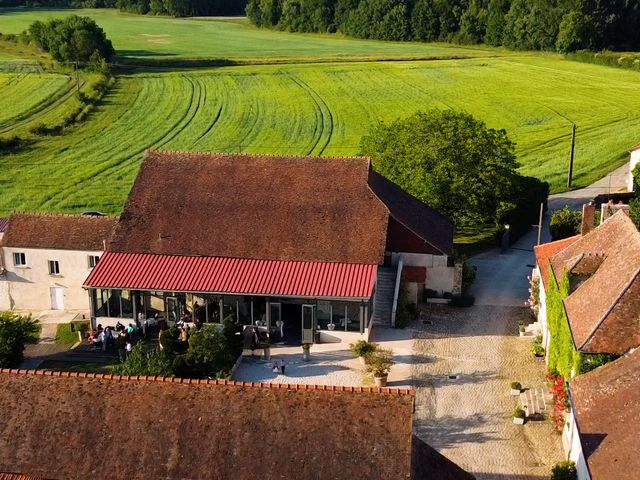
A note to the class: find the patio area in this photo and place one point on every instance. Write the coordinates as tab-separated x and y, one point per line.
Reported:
330	363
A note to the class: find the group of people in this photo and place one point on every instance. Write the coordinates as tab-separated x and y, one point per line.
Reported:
120	337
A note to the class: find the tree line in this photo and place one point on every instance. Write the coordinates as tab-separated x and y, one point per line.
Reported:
563	25
176	8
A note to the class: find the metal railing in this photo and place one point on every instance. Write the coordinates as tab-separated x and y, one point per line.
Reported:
396	291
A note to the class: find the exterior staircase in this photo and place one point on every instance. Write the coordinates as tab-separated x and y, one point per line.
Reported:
383	302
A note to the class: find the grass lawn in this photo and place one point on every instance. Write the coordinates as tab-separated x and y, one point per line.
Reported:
64	335
71	366
145	36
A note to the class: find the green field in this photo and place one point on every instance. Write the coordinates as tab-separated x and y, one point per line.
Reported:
165	37
307	108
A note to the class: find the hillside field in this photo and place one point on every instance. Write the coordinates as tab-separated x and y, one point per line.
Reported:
157	37
306	108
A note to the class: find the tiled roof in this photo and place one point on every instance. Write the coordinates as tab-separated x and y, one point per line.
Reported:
4	223
253	206
433	227
544	253
80	426
18	476
58	231
604	308
136	271
268	207
606	402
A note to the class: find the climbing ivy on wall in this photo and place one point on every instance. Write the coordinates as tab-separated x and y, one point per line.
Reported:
563	357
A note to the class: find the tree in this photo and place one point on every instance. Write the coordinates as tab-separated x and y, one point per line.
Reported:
473	23
574	32
497	10
72	39
565	223
16	331
425	25
450	161
634	210
208	351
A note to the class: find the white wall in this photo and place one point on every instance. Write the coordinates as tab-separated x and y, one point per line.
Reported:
635	160
28	288
440	277
573	447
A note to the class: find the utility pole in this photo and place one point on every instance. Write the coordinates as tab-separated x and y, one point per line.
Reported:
573	148
540	223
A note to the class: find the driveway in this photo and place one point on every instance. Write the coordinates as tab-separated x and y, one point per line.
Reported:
465	359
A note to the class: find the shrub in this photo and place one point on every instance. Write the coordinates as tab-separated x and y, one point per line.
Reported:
519	413
468	276
536	346
379	362
145	362
564	471
208	352
15	332
11	144
462	301
516	385
565	223
168	339
362	348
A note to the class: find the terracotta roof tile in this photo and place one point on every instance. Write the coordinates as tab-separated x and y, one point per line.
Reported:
79	426
253	206
544	253
268	208
58	231
18	476
606	402
604	309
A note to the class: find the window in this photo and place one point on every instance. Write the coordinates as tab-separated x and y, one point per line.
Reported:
54	267
19	259
93	260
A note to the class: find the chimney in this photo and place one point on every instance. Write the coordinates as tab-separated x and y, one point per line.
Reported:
588	218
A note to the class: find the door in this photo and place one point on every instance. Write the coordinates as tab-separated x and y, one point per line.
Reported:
275	317
308	323
173	310
57	298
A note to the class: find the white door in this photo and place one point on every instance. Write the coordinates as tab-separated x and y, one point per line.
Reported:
57	298
308	323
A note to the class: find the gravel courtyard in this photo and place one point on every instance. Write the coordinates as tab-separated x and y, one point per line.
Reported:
469	420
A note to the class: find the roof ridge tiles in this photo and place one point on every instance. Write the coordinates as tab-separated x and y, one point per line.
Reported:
394	391
59	214
255	155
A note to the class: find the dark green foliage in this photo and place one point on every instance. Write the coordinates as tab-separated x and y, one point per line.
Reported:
142	361
71	39
564	471
593	361
362	348
11	144
208	351
565	223
168	340
634	210
519	24
529	193
450	161
519	413
16	331
468	275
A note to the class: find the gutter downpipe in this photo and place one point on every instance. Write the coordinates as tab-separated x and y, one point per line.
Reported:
396	291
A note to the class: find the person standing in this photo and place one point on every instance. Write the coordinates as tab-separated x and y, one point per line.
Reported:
121	343
282	365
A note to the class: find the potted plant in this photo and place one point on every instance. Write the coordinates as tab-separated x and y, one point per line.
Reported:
306	351
362	348
516	388
521	327
379	363
536	347
518	416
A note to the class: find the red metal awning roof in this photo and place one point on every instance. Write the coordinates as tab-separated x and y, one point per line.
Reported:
175	273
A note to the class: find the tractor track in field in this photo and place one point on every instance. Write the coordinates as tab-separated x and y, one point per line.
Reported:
326	121
50	103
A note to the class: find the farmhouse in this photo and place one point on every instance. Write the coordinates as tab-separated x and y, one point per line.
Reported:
603	305
312	247
45	258
79	426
